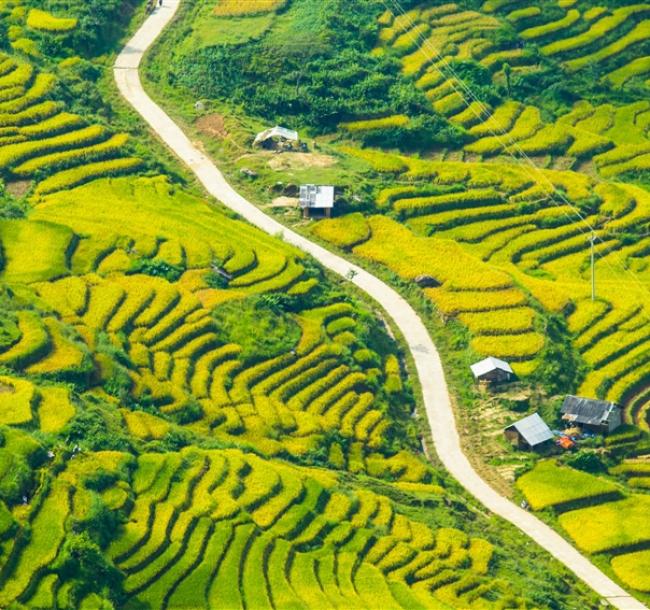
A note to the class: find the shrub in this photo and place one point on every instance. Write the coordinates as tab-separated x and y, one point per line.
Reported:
157	268
261	332
82	561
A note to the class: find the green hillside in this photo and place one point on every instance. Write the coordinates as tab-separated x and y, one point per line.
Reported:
192	413
482	144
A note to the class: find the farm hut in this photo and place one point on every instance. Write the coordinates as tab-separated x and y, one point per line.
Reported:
314	197
277	138
530	433
600	416
492	370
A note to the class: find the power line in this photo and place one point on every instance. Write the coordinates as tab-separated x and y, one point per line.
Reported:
424	45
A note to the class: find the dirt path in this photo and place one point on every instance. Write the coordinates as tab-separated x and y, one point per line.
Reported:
427	361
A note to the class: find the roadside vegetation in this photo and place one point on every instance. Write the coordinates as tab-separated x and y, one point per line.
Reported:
540	119
185	400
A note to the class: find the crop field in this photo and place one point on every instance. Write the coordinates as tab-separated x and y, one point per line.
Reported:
500	221
186	403
433	43
235	8
329	380
43	143
203	523
614	525
617	524
194	415
549	485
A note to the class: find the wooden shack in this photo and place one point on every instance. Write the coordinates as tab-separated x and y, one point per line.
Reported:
492	370
530	433
598	416
316	198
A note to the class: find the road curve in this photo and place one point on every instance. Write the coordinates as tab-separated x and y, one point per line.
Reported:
427	361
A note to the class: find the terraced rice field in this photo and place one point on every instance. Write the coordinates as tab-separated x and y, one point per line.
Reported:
222	528
43	143
499	245
154	455
618	525
114	356
431	42
287	402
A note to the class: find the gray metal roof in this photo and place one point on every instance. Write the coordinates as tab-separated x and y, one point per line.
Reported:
586	410
312	196
533	429
490	364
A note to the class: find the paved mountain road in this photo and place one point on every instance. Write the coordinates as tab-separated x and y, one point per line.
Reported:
427	361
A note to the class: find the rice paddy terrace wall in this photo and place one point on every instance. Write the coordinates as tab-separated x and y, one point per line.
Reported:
513	248
602	517
115	358
433	42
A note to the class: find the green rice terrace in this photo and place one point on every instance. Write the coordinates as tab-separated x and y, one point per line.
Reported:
482	153
196	415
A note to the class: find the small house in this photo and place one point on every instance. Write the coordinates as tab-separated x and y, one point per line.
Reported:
599	416
314	197
277	138
492	370
530	433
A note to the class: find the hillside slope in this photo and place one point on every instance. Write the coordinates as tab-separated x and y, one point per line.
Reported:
184	399
480	146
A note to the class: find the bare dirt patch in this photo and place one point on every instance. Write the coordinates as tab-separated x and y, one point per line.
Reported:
300	160
285	202
18	188
7	389
212	125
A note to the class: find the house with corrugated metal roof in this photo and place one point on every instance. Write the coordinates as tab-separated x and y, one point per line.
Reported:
600	416
316	197
492	370
529	433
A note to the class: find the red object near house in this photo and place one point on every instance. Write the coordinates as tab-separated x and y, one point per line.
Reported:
565	443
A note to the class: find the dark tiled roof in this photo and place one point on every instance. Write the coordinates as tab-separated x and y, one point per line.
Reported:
586	410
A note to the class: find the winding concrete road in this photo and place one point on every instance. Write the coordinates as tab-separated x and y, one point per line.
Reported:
427	361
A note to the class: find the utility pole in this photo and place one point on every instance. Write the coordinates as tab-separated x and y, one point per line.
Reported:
592	239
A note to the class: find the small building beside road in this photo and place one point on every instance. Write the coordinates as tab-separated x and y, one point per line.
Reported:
492	370
599	416
530	433
313	197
